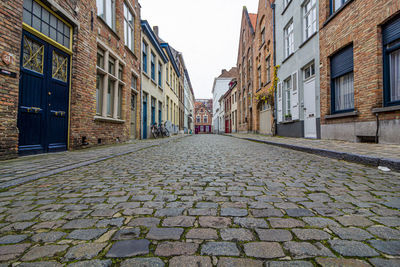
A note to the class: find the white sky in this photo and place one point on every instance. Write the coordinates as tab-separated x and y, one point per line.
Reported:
205	31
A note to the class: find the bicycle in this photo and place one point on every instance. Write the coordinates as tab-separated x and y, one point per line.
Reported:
155	131
163	130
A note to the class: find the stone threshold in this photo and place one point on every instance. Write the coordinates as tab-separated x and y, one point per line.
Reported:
393	164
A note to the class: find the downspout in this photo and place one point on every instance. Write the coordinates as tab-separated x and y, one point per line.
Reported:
274	47
141	90
377	128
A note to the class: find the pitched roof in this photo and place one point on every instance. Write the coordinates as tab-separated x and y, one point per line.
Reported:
232	73
253	20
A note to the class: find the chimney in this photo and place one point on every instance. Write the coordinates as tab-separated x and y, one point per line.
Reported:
223	71
155	30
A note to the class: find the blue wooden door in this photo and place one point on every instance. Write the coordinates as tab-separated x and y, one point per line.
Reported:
43	97
144	117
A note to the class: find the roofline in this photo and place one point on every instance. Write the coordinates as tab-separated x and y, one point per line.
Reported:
153	39
171	57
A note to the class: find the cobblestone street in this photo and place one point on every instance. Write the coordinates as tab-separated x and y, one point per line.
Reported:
205	200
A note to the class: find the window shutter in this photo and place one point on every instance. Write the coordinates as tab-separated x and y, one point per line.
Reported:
342	62
391	31
279	107
294	99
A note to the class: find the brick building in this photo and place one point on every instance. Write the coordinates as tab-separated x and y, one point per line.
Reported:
202	117
71	73
360	83
263	71
245	69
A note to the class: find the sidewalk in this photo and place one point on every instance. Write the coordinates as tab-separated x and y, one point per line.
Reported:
28	168
368	154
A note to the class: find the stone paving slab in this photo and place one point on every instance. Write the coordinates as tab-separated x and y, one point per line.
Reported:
387	155
205	201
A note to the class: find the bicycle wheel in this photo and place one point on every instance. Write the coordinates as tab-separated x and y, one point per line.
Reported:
153	132
166	132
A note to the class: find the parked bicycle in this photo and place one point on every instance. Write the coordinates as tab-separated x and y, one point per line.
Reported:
160	130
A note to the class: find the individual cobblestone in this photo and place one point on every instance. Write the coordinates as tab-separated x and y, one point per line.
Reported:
220	249
275	235
265	250
129	248
165	233
143	262
234	262
190	261
166	249
202	233
85	251
352	248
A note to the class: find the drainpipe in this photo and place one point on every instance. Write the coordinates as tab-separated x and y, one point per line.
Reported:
377	128
274	47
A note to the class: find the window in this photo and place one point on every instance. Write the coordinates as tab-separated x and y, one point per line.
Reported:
391	62
205	119
342	80
109	85
336	4
288	86
106	11
120	71
99	93
134	82
100	58
159	74
259	77
268	68
309	71
310	19
144	57
289	39
153	66
119	110
167	75
110	98
111	66
45	22
129	28
286	3
262	36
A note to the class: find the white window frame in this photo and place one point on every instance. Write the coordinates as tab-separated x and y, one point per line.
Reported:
289	39
129	28
107	6
309	18
111	105
287	88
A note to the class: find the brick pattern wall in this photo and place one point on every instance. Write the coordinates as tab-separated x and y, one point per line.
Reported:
83	76
244	79
358	23
201	110
10	41
261	51
83	97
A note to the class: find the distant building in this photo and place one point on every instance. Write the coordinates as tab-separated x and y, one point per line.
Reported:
234	105
220	87
245	71
202	116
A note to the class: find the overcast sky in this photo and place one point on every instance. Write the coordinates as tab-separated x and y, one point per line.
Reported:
205	31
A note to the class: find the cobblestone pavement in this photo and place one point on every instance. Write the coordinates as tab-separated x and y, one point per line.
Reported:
17	171
390	151
205	201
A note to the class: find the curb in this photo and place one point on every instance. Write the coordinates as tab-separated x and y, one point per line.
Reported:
393	164
34	177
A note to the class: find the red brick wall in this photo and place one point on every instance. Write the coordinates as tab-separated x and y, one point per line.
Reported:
358	23
10	41
261	52
83	82
245	43
83	98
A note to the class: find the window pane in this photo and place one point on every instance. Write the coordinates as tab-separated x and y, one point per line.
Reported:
99	94
119	101
395	76
110	98
27	17
100	8
108	13
344	92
